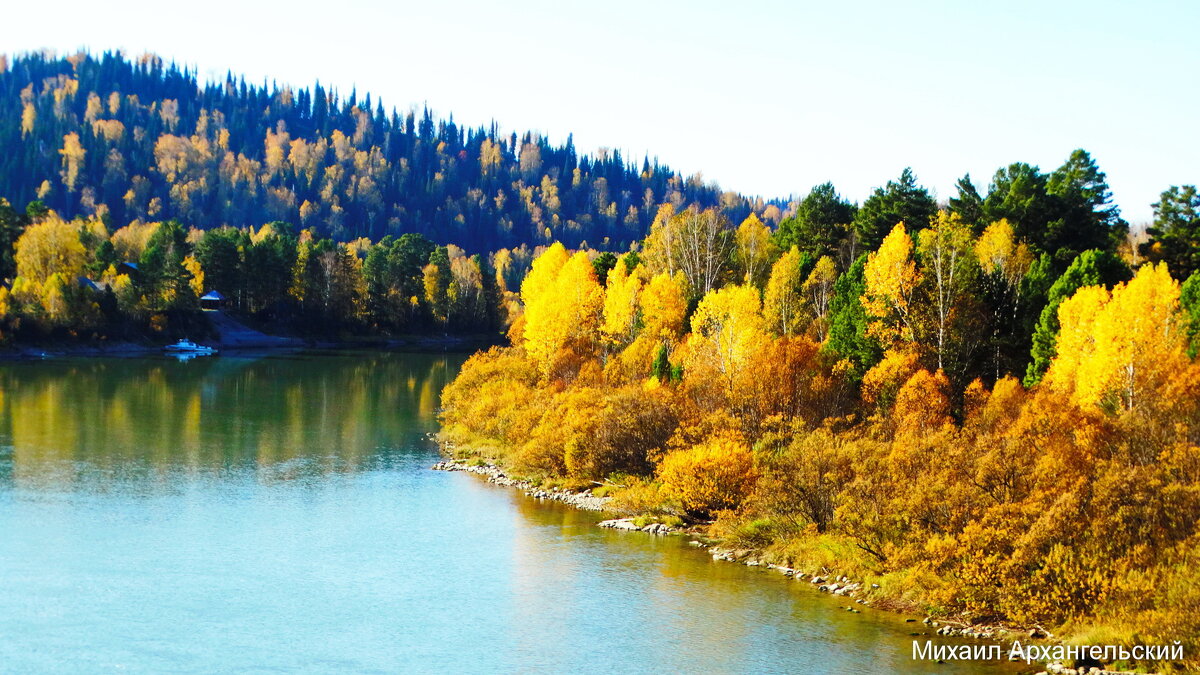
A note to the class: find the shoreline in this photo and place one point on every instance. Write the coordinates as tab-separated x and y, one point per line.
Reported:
128	349
827	581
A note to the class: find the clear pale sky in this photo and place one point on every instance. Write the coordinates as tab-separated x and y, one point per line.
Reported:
766	98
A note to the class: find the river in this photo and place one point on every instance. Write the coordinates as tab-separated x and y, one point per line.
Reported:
278	514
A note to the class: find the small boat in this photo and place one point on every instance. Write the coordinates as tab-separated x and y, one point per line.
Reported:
188	347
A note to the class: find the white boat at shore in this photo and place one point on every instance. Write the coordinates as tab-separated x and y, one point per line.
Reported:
187	347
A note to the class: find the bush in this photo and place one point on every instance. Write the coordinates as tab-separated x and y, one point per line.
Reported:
712	476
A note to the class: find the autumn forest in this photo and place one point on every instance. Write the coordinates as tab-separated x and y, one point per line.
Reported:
987	406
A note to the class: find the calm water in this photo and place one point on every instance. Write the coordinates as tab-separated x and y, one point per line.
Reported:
278	515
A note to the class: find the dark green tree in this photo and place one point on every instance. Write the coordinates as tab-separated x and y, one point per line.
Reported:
409	256
220	256
1086	218
1018	194
1175	236
267	273
1190	299
821	222
383	287
900	201
968	205
848	321
12	224
603	264
161	275
439	296
661	367
104	256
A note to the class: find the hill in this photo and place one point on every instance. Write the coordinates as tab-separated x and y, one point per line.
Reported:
141	139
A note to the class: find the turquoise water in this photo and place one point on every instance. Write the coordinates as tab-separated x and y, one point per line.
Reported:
277	514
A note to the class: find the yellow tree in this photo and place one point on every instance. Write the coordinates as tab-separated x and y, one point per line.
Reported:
664	308
1121	350
502	262
72	160
563	304
28	119
891	280
726	329
192	265
695	242
783	302
1076	338
130	241
818	291
882	382
949	270
50	247
658	249
999	252
922	404
543	273
621	305
754	249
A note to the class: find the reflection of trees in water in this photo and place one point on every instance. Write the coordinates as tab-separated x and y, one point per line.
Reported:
284	416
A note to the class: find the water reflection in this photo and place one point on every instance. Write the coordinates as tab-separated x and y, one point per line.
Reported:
97	420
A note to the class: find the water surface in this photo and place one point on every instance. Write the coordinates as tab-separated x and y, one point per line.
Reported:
277	515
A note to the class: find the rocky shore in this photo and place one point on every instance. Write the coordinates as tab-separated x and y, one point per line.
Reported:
580	500
822	580
841	585
631	525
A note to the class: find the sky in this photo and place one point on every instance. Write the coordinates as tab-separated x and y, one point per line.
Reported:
765	98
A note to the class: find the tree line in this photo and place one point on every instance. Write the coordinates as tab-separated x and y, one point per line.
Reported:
76	279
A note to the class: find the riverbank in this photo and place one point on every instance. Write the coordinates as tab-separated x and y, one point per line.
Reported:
825	580
408	343
493	474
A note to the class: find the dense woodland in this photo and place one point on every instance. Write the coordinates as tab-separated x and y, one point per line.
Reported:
140	140
990	408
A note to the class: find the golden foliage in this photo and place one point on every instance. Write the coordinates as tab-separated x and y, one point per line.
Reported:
922	404
713	476
784	302
818	291
197	281
1000	253
726	327
621	305
755	249
130	241
891	277
664	308
563	303
49	247
72	160
1118	349
883	381
1075	500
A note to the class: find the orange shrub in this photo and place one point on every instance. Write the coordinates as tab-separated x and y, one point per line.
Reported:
712	476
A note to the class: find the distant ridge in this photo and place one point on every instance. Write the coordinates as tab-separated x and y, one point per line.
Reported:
141	139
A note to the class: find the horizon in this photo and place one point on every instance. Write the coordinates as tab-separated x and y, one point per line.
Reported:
843	139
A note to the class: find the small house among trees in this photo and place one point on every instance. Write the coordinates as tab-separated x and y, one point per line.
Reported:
212	300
